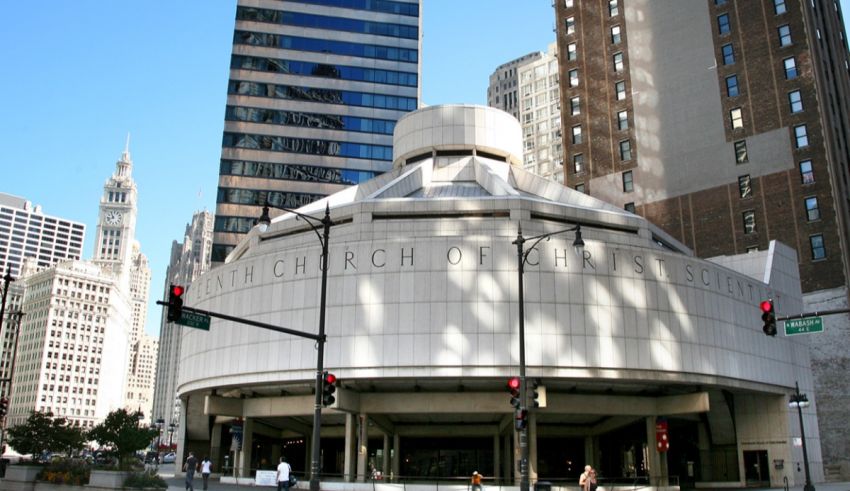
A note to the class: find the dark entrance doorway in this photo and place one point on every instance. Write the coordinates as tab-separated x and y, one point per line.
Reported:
446	457
756	470
560	458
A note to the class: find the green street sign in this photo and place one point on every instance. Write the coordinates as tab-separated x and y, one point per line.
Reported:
198	321
807	325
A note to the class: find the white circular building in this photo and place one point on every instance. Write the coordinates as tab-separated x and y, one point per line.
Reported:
423	332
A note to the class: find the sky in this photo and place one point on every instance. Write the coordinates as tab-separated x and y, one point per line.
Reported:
80	75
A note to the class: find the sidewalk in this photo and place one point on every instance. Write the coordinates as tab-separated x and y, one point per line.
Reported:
177	484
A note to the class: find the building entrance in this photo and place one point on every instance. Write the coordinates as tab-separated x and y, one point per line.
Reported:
756	468
445	457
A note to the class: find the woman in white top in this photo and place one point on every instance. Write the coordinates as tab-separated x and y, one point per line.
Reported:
206	469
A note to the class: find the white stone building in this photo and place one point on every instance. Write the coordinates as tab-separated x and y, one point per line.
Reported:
527	88
422	331
189	259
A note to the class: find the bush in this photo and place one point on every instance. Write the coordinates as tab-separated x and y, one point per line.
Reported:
74	472
147	479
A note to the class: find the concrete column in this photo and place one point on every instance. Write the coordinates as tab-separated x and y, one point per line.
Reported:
657	461
396	454
532	446
385	463
350	446
362	447
497	458
244	469
308	455
507	453
215	448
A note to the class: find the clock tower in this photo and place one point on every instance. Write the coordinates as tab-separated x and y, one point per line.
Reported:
116	223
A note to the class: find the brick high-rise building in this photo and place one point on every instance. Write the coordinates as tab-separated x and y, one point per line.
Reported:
726	123
315	89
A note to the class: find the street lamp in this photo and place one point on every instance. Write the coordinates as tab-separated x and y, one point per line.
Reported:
799	401
326	223
170	433
15	318
522	259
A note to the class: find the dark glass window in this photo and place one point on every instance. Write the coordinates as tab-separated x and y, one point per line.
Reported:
326	46
818	247
294	172
578	163
723	24
807	174
325	22
342	72
613	8
628	182
790	68
801	136
240	225
784	33
324	96
615	35
220	252
812	210
795	101
277	199
728	54
310	146
575	106
620	89
385	6
732	86
618	62
576	134
745	189
572	51
749	218
570	23
309	120
779	7
630	207
625	150
622	120
573	75
580	187
741	156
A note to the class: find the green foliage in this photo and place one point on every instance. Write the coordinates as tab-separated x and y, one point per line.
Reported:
121	434
147	479
42	432
67	471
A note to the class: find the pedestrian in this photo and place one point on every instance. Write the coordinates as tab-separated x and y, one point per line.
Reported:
476	481
189	466
587	481
206	469
283	470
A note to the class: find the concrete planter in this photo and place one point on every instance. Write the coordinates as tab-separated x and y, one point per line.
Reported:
20	477
107	479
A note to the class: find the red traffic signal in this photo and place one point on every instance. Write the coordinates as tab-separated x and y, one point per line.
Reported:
768	317
175	303
328	388
513	383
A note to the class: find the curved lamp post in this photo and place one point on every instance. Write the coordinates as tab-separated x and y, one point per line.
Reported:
324	225
522	259
799	401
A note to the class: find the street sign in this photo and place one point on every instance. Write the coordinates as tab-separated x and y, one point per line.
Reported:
806	325
198	321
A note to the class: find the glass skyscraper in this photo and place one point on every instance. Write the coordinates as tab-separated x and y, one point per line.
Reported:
315	89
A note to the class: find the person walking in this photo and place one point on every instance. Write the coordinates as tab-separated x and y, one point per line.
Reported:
190	466
283	470
206	469
587	480
476	481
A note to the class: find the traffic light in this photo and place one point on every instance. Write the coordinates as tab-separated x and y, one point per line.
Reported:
513	388
4	406
533	393
175	303
521	419
769	317
328	388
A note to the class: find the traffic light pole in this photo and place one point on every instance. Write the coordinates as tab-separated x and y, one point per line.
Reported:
522	259
816	313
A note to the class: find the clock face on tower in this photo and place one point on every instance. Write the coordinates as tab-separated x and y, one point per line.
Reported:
113	217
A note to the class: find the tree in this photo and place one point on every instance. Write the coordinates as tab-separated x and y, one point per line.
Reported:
42	432
121	434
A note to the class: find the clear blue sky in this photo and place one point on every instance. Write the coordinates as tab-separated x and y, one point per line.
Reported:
79	75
